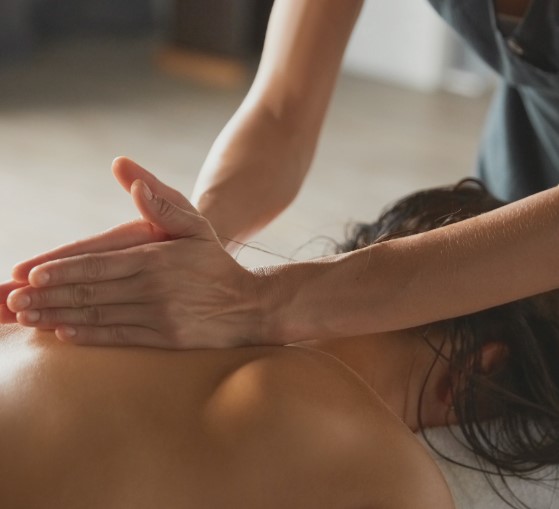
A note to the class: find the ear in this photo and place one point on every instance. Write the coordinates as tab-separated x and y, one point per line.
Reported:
494	356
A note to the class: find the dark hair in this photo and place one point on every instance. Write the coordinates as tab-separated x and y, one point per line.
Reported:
523	394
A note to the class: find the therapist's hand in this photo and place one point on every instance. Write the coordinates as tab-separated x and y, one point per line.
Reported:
185	292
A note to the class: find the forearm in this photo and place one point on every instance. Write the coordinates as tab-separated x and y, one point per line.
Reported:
257	165
253	172
501	256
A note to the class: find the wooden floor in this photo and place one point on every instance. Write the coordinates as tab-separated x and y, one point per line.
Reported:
67	114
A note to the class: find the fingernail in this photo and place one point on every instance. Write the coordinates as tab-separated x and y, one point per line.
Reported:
20	302
40	278
66	332
29	316
147	192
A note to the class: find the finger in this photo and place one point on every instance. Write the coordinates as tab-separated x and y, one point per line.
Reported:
96	316
177	222
6	316
127	171
8	287
126	235
120	237
89	268
121	291
116	335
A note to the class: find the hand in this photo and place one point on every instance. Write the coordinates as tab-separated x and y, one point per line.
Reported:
125	235
184	292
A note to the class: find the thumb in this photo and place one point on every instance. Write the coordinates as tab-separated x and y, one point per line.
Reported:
176	221
127	171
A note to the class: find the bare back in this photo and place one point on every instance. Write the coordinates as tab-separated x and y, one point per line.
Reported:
252	427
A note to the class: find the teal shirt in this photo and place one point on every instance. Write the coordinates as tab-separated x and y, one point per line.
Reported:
519	153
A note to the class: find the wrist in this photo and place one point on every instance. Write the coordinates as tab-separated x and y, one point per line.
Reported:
268	299
310	300
289	306
284	316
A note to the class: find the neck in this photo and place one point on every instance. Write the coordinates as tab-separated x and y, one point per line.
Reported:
385	362
400	367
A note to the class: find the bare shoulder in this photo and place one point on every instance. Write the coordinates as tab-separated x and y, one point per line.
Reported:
321	430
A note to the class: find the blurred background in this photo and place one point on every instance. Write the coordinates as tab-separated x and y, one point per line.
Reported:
84	81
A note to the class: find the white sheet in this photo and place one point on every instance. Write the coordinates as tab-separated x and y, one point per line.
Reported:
471	490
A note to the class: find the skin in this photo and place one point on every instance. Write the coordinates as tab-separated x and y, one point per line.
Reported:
250	427
191	294
278	124
205	299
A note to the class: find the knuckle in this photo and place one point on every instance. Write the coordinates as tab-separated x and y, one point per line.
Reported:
173	316
92	315
153	256
93	267
41	299
51	317
158	256
197	225
82	295
168	311
144	290
165	208
117	335
163	312
203	222
160	261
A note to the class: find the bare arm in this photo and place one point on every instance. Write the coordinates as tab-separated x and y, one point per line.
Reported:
504	255
258	163
200	297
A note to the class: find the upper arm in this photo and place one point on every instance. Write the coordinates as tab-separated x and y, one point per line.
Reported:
305	43
315	436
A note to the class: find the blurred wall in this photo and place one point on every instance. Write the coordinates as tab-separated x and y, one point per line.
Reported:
24	24
402	41
16	28
60	17
226	27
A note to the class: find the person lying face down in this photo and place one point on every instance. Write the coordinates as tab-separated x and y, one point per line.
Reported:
316	424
